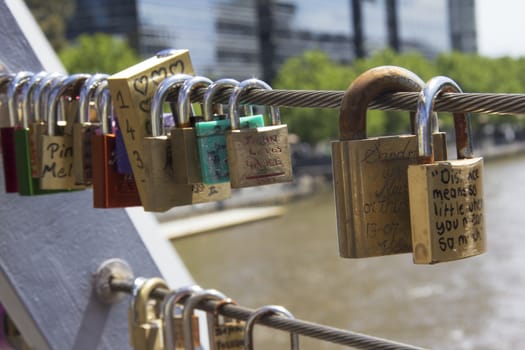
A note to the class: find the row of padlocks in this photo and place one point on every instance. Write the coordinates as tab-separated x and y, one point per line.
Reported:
396	194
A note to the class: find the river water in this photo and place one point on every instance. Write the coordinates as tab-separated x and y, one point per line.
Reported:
475	303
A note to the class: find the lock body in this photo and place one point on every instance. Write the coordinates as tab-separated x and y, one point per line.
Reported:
446	200
178	330
110	189
162	191
229	335
82	157
259	156
186	165
211	142
9	159
371	193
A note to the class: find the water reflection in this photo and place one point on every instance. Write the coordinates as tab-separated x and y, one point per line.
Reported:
476	303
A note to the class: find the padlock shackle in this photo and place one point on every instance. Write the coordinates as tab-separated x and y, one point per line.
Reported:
27	92
168	307
257	315
425	105
184	99
87	93
235	99
5	79
41	94
14	89
211	91
68	87
165	87
143	294
104	106
189	306
366	87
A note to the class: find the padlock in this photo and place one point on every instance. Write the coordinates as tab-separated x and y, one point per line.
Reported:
257	156
211	139
172	312
110	189
258	314
162	192
7	133
369	174
84	129
228	333
56	171
37	128
189	307
27	184
185	156
145	325
446	197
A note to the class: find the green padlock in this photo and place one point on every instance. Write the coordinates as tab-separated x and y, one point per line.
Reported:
211	139
27	184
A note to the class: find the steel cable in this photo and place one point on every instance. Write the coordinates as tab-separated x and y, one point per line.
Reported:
309	329
486	103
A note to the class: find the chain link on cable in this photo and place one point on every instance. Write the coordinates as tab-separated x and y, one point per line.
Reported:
309	329
486	103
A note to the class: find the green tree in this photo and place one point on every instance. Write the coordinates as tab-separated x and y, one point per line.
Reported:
98	53
52	16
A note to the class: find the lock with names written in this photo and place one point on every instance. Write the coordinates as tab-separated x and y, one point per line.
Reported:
446	197
57	145
13	86
211	135
132	92
257	156
162	192
144	320
228	333
110	188
84	129
24	144
369	174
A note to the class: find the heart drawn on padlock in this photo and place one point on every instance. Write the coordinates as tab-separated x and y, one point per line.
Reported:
141	85
145	105
161	72
177	67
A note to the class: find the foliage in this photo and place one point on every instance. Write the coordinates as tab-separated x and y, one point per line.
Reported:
52	16
315	71
98	53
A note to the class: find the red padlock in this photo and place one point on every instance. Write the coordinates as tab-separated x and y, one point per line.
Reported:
14	86
110	188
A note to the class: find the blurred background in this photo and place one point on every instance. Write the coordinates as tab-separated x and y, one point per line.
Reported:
292	259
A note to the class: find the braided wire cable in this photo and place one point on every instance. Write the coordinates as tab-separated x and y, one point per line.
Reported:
309	329
486	103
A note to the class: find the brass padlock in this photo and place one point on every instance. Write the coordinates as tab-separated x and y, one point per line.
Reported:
184	149
110	188
446	197
38	127
57	147
144	321
369	174
189	307
257	156
84	129
228	333
258	314
14	85
162	192
172	312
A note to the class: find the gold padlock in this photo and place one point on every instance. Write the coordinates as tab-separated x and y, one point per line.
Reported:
228	332
84	129
184	149
257	156
144	322
162	192
446	197
369	174
56	172
189	306
172	319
